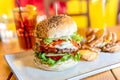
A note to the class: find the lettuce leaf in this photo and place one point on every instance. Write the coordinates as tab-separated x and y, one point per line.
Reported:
51	62
50	40
76	37
47	40
65	57
77	56
43	57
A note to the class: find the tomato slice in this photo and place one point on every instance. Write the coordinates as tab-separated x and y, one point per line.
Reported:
56	57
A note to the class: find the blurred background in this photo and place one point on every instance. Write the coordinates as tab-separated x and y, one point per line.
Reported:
86	13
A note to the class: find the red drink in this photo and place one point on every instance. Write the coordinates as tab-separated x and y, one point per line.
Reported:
25	24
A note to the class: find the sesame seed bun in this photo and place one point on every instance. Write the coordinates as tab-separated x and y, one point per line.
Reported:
55	27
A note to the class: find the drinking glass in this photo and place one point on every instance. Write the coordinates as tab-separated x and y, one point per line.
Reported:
25	21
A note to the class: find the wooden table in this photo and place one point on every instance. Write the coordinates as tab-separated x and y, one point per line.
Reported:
13	47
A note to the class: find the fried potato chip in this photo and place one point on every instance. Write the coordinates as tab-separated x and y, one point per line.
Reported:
101	33
91	38
108	37
88	47
89	31
114	37
111	47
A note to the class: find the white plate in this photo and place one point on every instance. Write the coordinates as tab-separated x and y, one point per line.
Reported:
23	67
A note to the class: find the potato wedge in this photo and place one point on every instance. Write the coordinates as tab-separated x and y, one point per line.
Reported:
88	55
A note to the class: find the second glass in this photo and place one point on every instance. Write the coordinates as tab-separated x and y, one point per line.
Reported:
25	21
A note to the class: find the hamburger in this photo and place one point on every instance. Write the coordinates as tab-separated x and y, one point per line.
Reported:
57	43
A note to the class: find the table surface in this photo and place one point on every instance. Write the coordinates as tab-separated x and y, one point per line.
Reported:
13	47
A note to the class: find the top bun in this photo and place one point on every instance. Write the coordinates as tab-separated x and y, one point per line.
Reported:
55	27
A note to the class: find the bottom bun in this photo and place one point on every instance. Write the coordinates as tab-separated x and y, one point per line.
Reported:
57	67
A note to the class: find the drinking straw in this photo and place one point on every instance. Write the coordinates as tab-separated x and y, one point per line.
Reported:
56	8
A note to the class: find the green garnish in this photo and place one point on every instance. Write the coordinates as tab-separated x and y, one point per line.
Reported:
47	40
65	57
77	56
66	38
76	37
52	62
43	57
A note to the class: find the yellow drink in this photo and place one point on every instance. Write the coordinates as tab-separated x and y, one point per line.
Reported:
111	12
103	14
78	7
81	21
75	7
